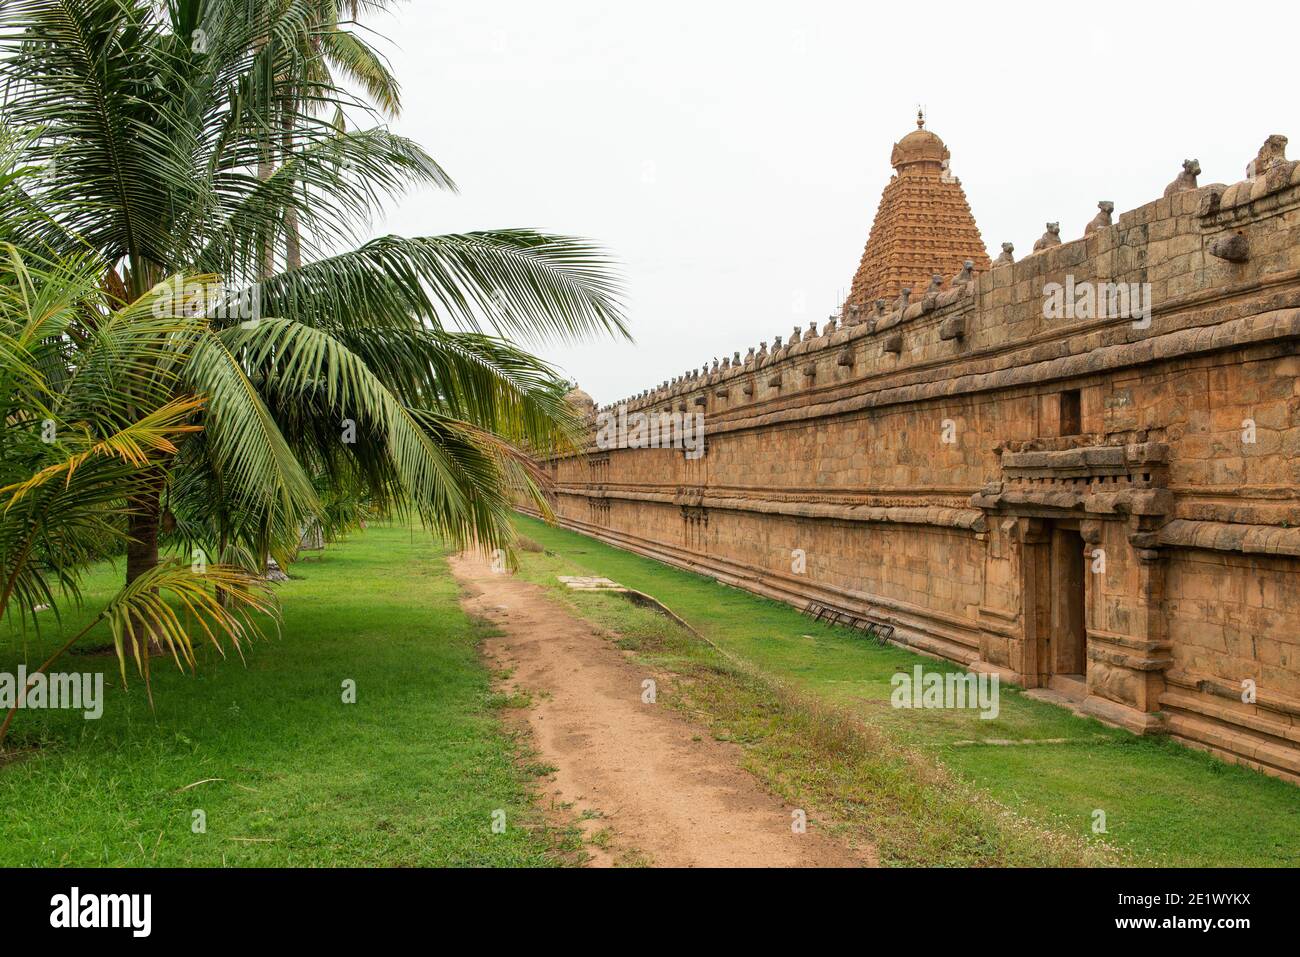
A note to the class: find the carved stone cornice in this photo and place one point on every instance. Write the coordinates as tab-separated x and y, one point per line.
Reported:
1099	480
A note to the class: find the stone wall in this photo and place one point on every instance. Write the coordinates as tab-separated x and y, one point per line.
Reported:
943	464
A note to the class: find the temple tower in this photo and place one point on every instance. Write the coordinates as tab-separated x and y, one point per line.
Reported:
923	226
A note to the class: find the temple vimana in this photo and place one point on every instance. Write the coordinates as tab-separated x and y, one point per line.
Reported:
1100	501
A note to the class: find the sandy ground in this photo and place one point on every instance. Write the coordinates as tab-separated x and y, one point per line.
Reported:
660	788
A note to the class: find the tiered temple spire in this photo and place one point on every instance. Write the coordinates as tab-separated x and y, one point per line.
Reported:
923	226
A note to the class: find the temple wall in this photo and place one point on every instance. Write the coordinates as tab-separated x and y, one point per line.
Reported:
960	466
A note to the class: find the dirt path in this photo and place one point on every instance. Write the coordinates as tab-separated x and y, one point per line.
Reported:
654	787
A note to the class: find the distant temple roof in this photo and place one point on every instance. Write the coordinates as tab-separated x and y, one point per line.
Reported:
923	226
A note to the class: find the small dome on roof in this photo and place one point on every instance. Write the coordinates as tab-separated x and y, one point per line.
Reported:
584	403
919	146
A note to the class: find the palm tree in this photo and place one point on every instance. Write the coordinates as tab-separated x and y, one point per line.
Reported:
383	367
329	48
91	400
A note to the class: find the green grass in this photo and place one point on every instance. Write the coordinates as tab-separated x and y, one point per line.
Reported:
411	773
1164	804
854	783
408	775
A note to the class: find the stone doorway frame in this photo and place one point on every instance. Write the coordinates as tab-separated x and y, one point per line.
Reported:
1115	495
1049	589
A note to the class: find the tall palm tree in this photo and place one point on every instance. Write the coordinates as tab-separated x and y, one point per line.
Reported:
330	48
385	365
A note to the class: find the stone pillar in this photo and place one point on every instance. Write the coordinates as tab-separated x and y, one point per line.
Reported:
1002	634
1128	648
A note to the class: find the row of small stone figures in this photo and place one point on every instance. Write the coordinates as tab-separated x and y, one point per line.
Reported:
1186	181
963	278
1271	154
1053	235
735	362
967	275
1051	238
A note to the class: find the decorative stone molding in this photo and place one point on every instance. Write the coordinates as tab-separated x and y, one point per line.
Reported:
1230	206
1101	479
1231	692
1225	537
1257	329
937	516
1139	463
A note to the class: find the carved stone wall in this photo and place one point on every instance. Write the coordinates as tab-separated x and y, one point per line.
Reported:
929	461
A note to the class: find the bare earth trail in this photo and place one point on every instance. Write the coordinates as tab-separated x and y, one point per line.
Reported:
660	787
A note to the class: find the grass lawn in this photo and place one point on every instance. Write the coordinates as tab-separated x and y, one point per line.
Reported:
1164	804
408	775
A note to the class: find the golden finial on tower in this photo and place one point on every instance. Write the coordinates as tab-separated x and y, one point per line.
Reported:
920	117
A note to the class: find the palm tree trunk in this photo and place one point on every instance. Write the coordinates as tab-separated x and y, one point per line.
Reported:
292	241
142	525
144	511
143	522
266	267
292	233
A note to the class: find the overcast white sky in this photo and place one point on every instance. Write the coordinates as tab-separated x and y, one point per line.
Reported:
731	154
